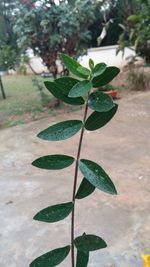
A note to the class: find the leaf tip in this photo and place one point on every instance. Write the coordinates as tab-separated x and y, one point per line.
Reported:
35	217
33	163
115	192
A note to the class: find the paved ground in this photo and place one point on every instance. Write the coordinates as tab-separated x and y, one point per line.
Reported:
122	148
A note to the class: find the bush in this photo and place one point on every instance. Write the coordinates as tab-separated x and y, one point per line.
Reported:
9	58
138	79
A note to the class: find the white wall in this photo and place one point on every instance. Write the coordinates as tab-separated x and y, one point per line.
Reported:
107	55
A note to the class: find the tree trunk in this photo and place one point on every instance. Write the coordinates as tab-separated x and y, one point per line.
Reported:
2	88
30	66
54	71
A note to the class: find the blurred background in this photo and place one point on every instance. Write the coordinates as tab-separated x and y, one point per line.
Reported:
32	35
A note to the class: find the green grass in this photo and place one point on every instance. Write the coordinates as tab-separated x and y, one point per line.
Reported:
22	98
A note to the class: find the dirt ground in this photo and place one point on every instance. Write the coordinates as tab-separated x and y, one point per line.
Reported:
122	148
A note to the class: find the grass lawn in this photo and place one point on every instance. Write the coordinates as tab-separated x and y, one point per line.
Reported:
23	102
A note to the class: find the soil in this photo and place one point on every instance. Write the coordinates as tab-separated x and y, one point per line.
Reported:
122	148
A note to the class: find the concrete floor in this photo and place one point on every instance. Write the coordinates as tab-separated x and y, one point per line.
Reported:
122	148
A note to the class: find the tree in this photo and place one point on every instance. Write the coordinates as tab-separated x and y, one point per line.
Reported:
9	57
49	28
7	35
105	30
136	28
9	53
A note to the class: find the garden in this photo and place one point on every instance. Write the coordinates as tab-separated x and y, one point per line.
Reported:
74	133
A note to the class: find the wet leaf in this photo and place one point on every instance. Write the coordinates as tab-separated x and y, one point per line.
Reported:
65	84
88	243
54	213
98	119
61	130
84	71
80	89
107	76
74	67
59	90
52	258
100	102
53	162
91	64
97	176
82	259
85	189
99	69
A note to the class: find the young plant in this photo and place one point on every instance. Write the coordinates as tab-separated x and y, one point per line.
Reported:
77	92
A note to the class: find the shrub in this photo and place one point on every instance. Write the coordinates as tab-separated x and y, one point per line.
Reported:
138	79
77	92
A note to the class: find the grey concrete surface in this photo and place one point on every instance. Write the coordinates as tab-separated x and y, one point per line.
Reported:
122	148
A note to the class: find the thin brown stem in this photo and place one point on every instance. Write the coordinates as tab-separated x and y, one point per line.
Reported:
75	185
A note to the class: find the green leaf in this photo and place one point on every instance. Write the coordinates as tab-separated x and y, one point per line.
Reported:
58	90
74	67
53	162
82	259
54	213
98	119
100	102
84	71
97	176
65	84
85	189
91	64
107	76
99	69
134	18
89	243
52	258
80	89
61	130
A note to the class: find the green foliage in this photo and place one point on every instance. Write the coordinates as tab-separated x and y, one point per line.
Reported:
107	76
52	258
50	28
85	189
23	102
80	89
61	130
74	67
88	243
99	69
98	119
109	87
53	162
67	89
101	102
82	259
91	64
9	58
54	213
136	26
61	92
9	53
7	36
38	84
97	176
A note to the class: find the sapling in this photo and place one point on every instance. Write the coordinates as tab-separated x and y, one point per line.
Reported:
82	91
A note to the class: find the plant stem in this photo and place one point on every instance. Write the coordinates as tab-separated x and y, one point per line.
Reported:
75	185
2	88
